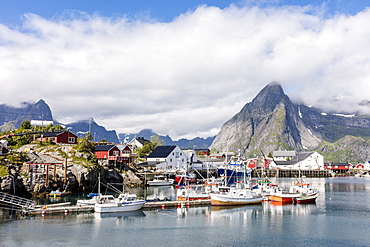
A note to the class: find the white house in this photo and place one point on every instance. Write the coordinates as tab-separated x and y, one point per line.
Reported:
137	143
41	123
303	161
169	157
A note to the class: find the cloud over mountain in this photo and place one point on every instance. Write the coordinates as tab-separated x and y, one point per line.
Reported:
186	77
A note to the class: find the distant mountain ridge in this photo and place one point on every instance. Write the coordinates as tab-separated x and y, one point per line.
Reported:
272	122
12	117
183	143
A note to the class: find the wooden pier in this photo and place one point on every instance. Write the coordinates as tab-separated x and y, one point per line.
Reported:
45	210
292	173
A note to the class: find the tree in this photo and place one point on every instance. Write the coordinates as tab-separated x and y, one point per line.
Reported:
26	125
85	144
146	149
156	140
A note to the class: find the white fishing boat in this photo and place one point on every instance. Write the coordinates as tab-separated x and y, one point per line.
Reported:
124	203
160	180
232	196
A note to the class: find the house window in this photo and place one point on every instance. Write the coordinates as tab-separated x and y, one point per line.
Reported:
71	139
115	153
177	155
171	160
157	161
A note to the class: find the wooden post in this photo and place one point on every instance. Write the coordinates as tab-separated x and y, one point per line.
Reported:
65	171
47	174
55	171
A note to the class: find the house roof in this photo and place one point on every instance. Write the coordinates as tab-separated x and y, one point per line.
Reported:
284	153
104	147
162	151
52	134
295	159
142	140
121	146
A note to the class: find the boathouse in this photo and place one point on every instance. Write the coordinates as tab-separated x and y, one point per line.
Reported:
304	161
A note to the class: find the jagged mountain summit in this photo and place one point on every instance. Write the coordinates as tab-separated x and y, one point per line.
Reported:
12	117
272	122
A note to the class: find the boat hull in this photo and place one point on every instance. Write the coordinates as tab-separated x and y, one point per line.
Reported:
284	198
223	200
118	207
306	199
192	198
153	183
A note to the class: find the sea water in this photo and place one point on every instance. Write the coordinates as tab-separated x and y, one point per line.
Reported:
340	217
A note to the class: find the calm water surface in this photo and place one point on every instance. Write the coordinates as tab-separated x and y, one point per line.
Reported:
340	217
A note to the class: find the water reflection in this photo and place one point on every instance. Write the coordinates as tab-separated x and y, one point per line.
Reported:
184	212
235	215
120	215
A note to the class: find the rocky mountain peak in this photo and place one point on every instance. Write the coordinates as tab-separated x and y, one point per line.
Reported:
270	122
269	97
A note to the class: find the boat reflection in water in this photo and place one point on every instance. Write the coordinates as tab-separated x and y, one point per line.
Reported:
278	208
121	215
184	211
235	215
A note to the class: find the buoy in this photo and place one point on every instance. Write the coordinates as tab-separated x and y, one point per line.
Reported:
188	204
163	206
179	205
65	211
43	212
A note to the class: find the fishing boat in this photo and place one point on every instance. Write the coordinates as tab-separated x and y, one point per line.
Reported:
238	194
232	196
124	203
308	194
185	177
306	199
192	193
160	180
281	195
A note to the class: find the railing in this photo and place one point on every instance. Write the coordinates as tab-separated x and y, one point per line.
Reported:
16	200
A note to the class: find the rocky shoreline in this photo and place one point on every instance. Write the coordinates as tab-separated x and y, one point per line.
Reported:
79	177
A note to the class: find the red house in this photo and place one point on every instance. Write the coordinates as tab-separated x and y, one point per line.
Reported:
118	153
110	152
337	166
64	137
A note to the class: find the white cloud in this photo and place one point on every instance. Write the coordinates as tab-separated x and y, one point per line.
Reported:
187	77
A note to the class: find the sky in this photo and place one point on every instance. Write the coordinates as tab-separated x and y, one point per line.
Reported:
181	68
